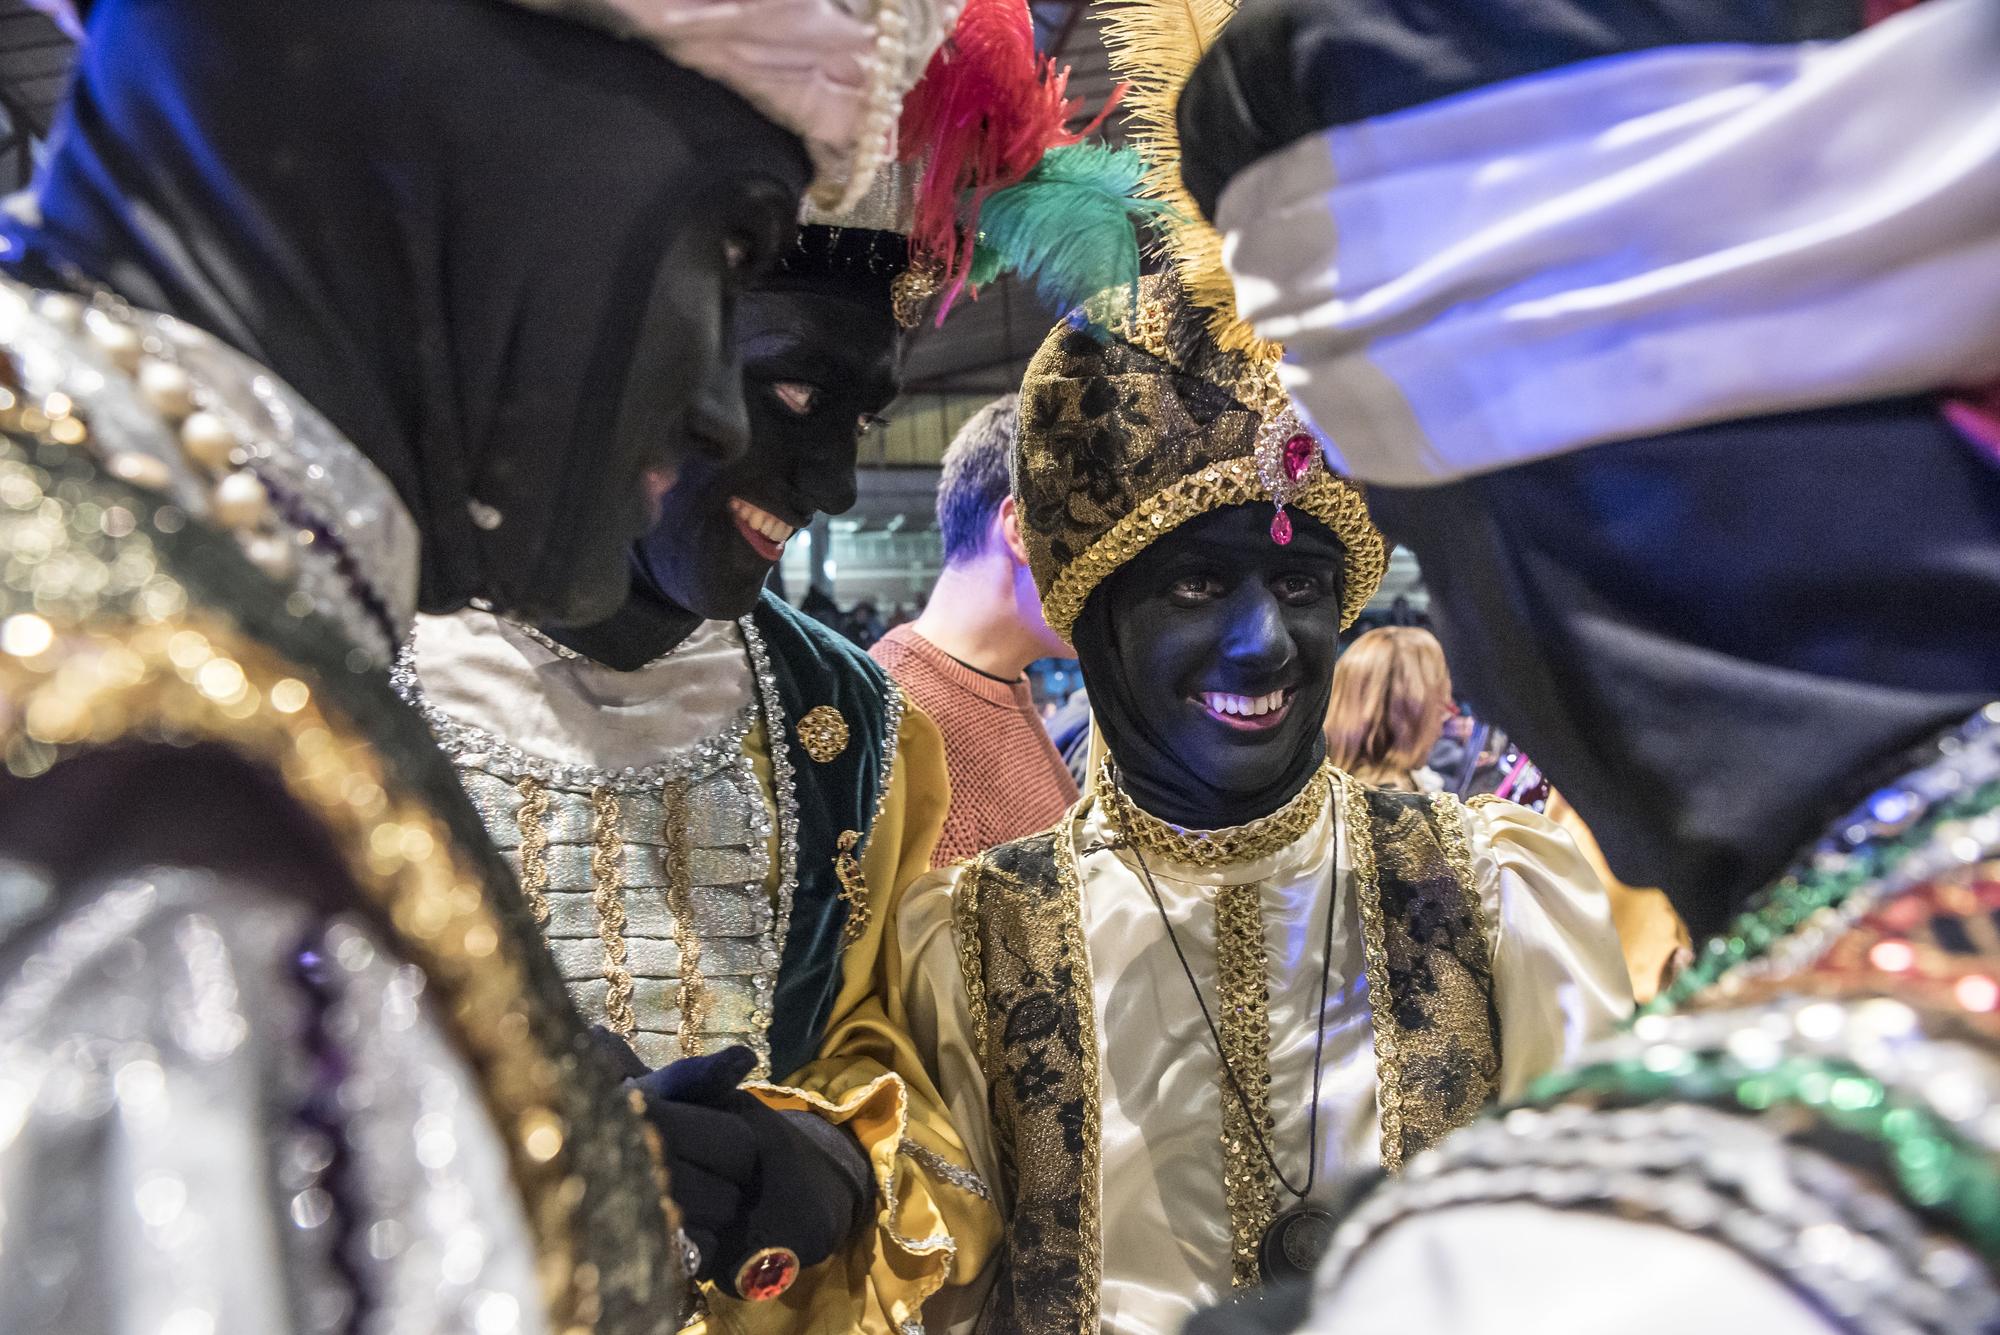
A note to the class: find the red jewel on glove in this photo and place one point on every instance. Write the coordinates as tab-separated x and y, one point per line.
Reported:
767	1273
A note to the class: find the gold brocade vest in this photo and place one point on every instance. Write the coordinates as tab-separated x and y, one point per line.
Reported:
1027	972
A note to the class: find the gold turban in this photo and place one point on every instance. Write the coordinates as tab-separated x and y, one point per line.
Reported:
1125	440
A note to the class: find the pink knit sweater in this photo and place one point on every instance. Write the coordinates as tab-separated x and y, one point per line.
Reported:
1007	778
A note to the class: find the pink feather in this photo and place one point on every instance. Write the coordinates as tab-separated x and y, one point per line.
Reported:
989	105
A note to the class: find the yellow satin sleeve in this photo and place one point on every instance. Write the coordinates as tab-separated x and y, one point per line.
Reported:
1559	977
934	1224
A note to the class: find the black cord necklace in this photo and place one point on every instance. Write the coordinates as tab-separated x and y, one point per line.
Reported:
1296	1240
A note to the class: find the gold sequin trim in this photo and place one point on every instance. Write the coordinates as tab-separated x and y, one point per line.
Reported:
1375	956
1248	1182
1450	816
530	820
823	733
1329	499
607	894
691	997
1216	848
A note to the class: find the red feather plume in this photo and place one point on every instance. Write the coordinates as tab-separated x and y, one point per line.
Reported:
989	105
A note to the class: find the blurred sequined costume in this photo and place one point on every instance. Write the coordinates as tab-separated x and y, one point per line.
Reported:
279	1047
1467	950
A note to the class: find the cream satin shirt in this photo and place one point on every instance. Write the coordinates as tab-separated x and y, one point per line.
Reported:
1559	979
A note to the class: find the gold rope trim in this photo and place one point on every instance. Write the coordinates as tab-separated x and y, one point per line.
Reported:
1329	499
965	926
1450	813
1249	1183
1375	953
1210	849
607	894
534	846
1090	1227
691	997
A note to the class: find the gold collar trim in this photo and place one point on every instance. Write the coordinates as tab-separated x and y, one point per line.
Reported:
1215	848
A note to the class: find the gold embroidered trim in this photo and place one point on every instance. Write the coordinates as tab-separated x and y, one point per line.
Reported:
1450	819
965	926
1375	954
1331	500
691	998
534	846
1216	848
1248	1181
607	894
1090	1202
853	887
1481	801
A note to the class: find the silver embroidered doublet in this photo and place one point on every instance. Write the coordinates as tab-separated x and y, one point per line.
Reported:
652	884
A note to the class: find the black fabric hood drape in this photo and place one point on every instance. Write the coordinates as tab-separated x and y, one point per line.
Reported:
450	224
1715	641
1149	768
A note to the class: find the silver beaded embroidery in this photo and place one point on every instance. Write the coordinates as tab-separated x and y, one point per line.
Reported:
940	1167
739	925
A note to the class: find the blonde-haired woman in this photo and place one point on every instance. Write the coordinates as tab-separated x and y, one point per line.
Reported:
1391	697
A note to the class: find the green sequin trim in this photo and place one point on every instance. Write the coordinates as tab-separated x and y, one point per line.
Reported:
1933	1166
1786	906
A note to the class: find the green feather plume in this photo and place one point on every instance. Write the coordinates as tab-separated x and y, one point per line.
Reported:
1070	228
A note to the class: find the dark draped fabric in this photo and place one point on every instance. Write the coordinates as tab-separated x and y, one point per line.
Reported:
1712	641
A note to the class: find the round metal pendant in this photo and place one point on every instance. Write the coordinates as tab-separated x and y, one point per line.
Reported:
1295	1243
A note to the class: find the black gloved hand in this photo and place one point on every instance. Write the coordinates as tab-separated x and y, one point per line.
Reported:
746	1176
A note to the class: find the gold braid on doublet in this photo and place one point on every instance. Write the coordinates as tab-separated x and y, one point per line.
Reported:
1249	1183
1215	848
1124	441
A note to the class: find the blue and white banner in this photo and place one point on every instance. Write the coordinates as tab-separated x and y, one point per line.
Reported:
1634	245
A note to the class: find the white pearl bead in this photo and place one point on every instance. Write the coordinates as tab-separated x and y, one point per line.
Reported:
208	441
119	341
240	500
274	554
141	470
166	387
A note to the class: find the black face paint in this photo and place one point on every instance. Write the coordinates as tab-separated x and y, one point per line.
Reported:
815	366
1216	609
469	233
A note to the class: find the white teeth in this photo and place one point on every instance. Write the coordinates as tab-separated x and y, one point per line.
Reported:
1243	705
764	522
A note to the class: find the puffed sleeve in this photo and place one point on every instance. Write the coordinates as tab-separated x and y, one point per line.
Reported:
1559	977
1502	1268
935	1224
